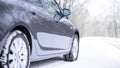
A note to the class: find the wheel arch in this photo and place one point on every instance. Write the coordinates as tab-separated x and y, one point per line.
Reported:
77	33
26	32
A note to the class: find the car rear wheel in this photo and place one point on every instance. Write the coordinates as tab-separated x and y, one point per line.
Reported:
73	54
16	51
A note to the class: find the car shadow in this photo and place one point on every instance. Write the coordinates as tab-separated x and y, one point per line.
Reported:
47	63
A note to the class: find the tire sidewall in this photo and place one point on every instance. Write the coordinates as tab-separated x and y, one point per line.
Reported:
71	54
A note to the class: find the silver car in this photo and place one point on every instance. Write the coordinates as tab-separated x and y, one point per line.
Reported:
33	30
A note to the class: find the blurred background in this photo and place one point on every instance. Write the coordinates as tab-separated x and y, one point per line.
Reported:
95	17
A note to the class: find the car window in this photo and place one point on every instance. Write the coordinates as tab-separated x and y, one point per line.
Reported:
51	6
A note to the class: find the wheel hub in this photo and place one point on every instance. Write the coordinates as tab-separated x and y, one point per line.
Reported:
17	57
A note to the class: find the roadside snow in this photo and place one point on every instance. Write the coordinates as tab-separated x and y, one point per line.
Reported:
95	52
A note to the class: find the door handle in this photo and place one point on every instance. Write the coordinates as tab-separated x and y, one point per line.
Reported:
33	13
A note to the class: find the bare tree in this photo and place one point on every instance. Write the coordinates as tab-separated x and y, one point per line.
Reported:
80	15
114	20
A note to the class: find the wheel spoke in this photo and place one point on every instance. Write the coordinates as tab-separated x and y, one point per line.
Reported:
12	64
23	58
11	57
23	51
13	47
21	44
18	64
15	64
23	64
16	44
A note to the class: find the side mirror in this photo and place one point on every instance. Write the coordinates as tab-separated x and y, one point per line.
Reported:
66	12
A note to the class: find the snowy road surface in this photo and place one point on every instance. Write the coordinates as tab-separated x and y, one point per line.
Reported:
95	52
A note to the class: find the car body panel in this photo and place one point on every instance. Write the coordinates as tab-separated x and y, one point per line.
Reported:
47	34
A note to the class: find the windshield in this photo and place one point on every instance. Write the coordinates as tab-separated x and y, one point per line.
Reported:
51	6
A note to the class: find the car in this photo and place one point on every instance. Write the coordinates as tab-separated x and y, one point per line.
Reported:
34	30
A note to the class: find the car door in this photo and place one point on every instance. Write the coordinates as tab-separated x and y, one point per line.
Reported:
60	28
61	38
41	28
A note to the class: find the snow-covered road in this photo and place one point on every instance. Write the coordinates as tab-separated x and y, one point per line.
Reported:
95	52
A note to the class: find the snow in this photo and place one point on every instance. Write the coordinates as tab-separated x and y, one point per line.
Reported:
95	52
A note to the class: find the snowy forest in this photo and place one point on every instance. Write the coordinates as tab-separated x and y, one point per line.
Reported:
95	17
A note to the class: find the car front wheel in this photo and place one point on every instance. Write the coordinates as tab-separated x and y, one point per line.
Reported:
73	54
16	51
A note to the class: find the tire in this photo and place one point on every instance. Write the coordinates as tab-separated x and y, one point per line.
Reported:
16	51
73	54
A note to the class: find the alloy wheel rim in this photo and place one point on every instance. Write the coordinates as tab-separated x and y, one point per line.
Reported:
75	48
18	54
